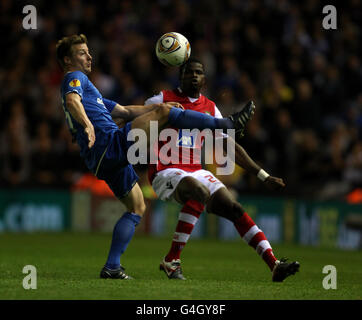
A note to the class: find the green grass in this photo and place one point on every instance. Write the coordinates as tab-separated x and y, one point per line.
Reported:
68	266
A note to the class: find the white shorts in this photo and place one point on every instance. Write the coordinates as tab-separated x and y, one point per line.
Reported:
166	181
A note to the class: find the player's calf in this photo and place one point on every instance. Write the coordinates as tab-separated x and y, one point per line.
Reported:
223	205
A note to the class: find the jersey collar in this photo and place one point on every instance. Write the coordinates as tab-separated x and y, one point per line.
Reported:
192	100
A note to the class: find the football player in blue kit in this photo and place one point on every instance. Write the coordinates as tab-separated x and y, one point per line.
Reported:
103	146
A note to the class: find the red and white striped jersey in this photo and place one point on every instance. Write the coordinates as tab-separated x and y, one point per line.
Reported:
188	146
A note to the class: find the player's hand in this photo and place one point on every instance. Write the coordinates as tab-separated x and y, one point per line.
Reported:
175	104
89	131
274	183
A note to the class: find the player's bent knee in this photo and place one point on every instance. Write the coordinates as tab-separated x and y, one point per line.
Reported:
235	211
230	210
140	209
163	112
202	193
198	192
191	189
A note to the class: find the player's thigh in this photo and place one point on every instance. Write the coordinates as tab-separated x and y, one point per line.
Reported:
221	198
134	200
120	179
209	180
190	188
166	181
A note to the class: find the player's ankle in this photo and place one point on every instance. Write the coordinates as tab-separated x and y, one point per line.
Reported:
169	258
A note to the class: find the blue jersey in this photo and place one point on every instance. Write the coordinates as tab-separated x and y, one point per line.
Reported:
98	110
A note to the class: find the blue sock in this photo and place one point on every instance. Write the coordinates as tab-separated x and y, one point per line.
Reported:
189	119
122	234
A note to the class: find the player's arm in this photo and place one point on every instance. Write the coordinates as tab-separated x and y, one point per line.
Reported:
76	109
243	160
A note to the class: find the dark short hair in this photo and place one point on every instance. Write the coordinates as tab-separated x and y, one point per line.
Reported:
64	46
188	62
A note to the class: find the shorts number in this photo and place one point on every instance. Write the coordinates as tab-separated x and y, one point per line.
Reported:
210	178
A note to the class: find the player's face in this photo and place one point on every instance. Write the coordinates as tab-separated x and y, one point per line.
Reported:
193	77
81	59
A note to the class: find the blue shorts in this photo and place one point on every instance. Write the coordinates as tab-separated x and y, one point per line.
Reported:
114	167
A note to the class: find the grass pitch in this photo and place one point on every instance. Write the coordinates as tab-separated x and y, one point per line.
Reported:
68	266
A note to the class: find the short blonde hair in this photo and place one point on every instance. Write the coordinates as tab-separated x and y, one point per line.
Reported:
64	46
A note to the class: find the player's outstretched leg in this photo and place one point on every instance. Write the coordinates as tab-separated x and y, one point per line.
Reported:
224	205
190	119
189	215
123	232
192	194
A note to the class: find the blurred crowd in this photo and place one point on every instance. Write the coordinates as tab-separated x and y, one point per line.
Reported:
306	83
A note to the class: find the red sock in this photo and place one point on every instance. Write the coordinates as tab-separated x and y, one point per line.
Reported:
255	238
188	217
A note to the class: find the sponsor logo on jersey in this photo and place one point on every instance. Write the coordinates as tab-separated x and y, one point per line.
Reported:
74	83
185	139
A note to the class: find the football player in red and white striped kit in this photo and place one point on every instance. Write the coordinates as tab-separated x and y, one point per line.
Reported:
185	182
